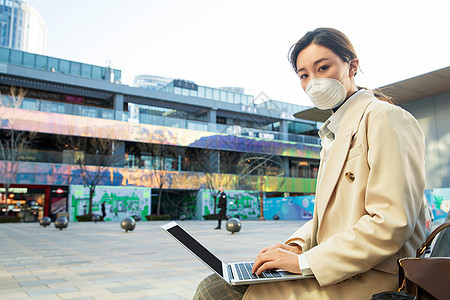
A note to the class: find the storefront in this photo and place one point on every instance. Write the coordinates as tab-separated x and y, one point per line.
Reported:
32	202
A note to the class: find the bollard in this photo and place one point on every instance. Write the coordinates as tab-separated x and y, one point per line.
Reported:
61	222
234	225
128	224
45	221
137	218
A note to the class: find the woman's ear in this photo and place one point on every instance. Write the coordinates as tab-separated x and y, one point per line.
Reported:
353	67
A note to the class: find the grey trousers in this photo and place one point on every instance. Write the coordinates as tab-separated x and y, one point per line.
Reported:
214	287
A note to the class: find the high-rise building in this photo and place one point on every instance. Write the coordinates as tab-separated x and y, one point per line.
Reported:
151	82
22	27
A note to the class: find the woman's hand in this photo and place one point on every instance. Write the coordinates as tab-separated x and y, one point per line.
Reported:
278	256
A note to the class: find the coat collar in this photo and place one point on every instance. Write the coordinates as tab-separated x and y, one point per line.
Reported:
336	158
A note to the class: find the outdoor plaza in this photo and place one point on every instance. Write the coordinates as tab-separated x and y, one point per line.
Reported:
90	260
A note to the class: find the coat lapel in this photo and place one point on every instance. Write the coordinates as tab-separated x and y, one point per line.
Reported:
338	153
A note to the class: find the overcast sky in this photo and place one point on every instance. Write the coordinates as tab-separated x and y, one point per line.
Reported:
245	42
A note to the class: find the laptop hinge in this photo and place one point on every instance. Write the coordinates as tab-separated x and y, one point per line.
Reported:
230	273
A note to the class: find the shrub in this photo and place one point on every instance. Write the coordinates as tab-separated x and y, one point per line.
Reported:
157	217
86	218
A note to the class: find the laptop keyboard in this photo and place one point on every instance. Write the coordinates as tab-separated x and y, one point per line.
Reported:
245	272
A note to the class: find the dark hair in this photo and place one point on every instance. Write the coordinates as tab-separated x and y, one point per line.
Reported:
334	40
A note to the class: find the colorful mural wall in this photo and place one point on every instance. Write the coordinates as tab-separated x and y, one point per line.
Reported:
439	200
242	204
54	123
120	202
246	205
289	208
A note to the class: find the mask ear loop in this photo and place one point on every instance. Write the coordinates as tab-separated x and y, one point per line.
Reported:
346	69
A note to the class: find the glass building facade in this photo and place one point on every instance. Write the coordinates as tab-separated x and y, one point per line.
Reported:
201	137
22	28
53	64
187	88
151	82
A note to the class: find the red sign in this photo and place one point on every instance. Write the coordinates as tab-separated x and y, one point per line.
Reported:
74	99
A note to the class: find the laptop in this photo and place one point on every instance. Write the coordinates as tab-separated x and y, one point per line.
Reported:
234	273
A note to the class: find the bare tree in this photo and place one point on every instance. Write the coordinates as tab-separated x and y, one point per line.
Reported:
160	169
212	163
92	156
13	143
255	170
159	158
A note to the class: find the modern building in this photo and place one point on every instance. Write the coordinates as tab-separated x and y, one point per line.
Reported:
182	143
175	147
22	28
151	82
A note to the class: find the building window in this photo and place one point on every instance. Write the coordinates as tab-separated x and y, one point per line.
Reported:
303	168
221	120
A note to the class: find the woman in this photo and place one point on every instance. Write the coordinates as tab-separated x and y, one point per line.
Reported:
369	210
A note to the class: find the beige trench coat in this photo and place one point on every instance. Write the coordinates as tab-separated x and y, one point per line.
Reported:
369	209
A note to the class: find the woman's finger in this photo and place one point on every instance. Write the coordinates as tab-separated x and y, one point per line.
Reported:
270	265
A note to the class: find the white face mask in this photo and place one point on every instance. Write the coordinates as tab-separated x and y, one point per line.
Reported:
326	93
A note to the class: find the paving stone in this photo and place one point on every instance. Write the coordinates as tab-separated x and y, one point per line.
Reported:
14	295
89	294
49	292
130	288
40	282
168	297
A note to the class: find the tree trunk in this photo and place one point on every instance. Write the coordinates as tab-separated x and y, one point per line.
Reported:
158	210
91	196
261	200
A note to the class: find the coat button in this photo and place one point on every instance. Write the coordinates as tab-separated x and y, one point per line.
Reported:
350	176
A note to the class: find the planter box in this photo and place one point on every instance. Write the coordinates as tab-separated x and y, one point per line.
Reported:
86	218
211	217
157	217
10	219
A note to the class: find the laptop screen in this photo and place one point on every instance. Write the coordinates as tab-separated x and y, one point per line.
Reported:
197	248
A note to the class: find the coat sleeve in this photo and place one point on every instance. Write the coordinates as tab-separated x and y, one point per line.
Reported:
302	237
393	199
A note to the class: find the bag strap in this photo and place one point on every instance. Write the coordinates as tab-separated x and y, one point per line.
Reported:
430	238
421	249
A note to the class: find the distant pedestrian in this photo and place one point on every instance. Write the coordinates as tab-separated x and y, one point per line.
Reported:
103	210
222	205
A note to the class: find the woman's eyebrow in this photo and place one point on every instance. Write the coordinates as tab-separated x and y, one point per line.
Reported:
315	63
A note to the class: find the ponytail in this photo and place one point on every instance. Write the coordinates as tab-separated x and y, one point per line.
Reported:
380	95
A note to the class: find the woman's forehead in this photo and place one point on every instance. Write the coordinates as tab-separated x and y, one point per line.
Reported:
312	53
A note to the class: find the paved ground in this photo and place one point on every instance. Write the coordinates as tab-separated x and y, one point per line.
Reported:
101	261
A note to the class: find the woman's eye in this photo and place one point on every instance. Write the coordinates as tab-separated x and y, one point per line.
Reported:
323	68
303	76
